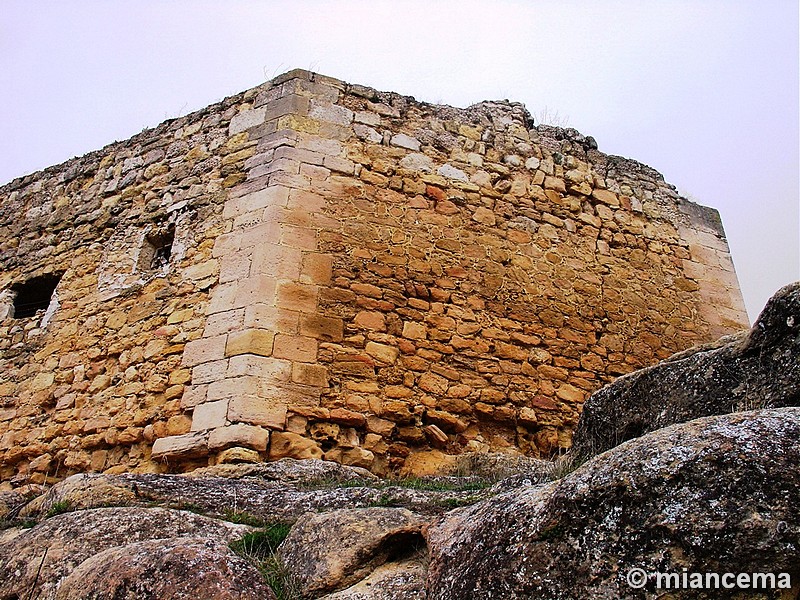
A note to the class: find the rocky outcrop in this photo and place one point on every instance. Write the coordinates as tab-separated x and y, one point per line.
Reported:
759	369
35	561
363	538
716	494
306	487
174	568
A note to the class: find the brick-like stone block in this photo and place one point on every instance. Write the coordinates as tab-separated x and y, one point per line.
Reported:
250	341
209	415
370	319
329	329
260	199
257	411
281	262
260	288
317	268
291	104
204	350
305	200
210	371
246	119
272	369
298	297
188	445
268	317
249	436
194	395
307	374
223	322
382	352
295	347
234	386
414	331
304	238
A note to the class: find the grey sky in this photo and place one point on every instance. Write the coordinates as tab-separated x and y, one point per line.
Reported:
705	92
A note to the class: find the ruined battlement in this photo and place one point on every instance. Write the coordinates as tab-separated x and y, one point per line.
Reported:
317	269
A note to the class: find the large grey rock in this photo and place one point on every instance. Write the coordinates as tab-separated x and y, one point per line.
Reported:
402	580
36	560
719	494
267	492
330	551
172	569
759	369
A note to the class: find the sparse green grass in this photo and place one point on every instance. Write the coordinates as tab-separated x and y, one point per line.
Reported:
243	518
432	484
260	548
58	508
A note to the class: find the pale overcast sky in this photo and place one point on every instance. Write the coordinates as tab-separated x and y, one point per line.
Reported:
705	92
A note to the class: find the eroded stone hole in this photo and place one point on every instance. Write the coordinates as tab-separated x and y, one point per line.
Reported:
157	249
34	295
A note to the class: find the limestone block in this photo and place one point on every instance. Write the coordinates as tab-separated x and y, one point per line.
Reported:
382	352
304	238
248	436
258	288
330	329
282	262
250	341
257	411
331	113
209	372
357	457
307	374
194	395
451	172
264	316
247	119
209	415
292	445
317	268
230	387
295	347
273	196
204	350
237	455
414	331
187	445
372	320
298	297
401	140
272	369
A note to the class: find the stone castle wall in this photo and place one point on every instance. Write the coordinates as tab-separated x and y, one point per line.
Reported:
349	274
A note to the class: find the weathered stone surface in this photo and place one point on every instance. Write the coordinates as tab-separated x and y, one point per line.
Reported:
318	247
282	491
71	538
363	538
755	370
183	567
717	494
404	580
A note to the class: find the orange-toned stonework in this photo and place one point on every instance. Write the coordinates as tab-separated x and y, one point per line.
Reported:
313	268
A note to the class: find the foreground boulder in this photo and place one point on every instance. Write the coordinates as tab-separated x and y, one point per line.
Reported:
35	561
759	369
364	539
719	494
176	568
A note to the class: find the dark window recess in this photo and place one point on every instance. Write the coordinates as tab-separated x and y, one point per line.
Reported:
157	250
34	295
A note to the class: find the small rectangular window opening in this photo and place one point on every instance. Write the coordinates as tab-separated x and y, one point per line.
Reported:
34	295
157	250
